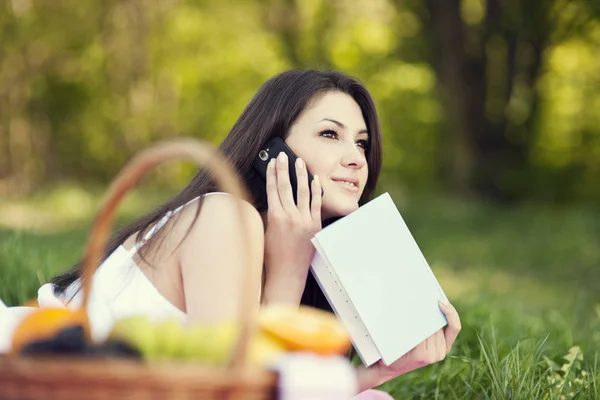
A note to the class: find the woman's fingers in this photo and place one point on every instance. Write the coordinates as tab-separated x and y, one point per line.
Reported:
315	205
454	325
284	186
303	194
440	345
435	348
272	194
430	344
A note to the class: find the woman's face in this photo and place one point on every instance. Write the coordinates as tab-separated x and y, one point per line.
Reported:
331	137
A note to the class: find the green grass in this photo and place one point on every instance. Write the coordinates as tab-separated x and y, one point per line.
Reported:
526	282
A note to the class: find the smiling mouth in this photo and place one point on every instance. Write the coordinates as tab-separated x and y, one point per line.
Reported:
347	184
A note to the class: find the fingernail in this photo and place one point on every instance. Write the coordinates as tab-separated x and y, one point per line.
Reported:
281	157
299	163
316	179
444	303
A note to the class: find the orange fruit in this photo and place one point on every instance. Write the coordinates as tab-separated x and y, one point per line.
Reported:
45	323
31	303
305	329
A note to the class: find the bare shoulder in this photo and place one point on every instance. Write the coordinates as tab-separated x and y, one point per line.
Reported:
221	214
223	248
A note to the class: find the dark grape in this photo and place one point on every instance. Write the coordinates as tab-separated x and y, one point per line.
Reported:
68	341
72	341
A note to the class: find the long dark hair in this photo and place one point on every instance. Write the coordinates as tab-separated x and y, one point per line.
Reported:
271	112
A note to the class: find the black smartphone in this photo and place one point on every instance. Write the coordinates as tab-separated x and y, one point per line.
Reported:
271	150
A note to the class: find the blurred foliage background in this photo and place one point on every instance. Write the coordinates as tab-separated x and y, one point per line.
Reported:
498	99
491	118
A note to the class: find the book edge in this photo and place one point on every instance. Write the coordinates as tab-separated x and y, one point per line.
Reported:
356	322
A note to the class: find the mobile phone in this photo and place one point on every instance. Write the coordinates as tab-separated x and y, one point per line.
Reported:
271	150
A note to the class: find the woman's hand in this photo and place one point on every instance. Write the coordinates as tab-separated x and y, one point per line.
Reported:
433	349
290	227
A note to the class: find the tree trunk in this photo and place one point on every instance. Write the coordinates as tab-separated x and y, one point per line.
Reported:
484	150
457	153
282	17
4	145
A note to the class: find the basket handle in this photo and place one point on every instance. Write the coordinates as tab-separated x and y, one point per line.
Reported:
227	180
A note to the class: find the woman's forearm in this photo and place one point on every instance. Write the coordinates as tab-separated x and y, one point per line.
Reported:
284	289
368	378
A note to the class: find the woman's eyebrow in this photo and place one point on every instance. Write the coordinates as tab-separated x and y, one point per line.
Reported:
342	126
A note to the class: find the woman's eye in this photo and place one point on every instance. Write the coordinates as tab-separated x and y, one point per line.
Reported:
363	143
329	133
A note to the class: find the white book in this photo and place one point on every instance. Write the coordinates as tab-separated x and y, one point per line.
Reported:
378	282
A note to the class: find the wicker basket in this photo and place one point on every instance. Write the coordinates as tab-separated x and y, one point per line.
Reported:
113	378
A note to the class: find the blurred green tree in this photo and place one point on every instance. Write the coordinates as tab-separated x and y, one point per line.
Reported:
489	97
489	57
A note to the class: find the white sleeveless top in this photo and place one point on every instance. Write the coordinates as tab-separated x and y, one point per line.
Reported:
119	289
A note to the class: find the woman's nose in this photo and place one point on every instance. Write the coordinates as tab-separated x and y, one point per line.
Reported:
353	157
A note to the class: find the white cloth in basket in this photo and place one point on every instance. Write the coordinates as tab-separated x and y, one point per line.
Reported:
304	376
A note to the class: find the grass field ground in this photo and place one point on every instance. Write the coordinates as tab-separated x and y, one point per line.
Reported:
526	282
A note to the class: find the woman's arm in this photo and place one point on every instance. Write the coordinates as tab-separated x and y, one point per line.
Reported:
283	289
212	258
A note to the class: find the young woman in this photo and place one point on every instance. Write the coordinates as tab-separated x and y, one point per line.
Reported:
186	258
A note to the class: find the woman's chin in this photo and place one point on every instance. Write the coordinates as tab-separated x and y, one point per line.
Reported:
339	209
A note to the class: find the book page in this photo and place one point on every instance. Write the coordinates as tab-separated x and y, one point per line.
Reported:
387	278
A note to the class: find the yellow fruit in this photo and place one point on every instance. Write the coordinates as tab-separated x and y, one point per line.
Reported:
170	338
45	323
212	344
305	329
265	349
194	346
138	332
